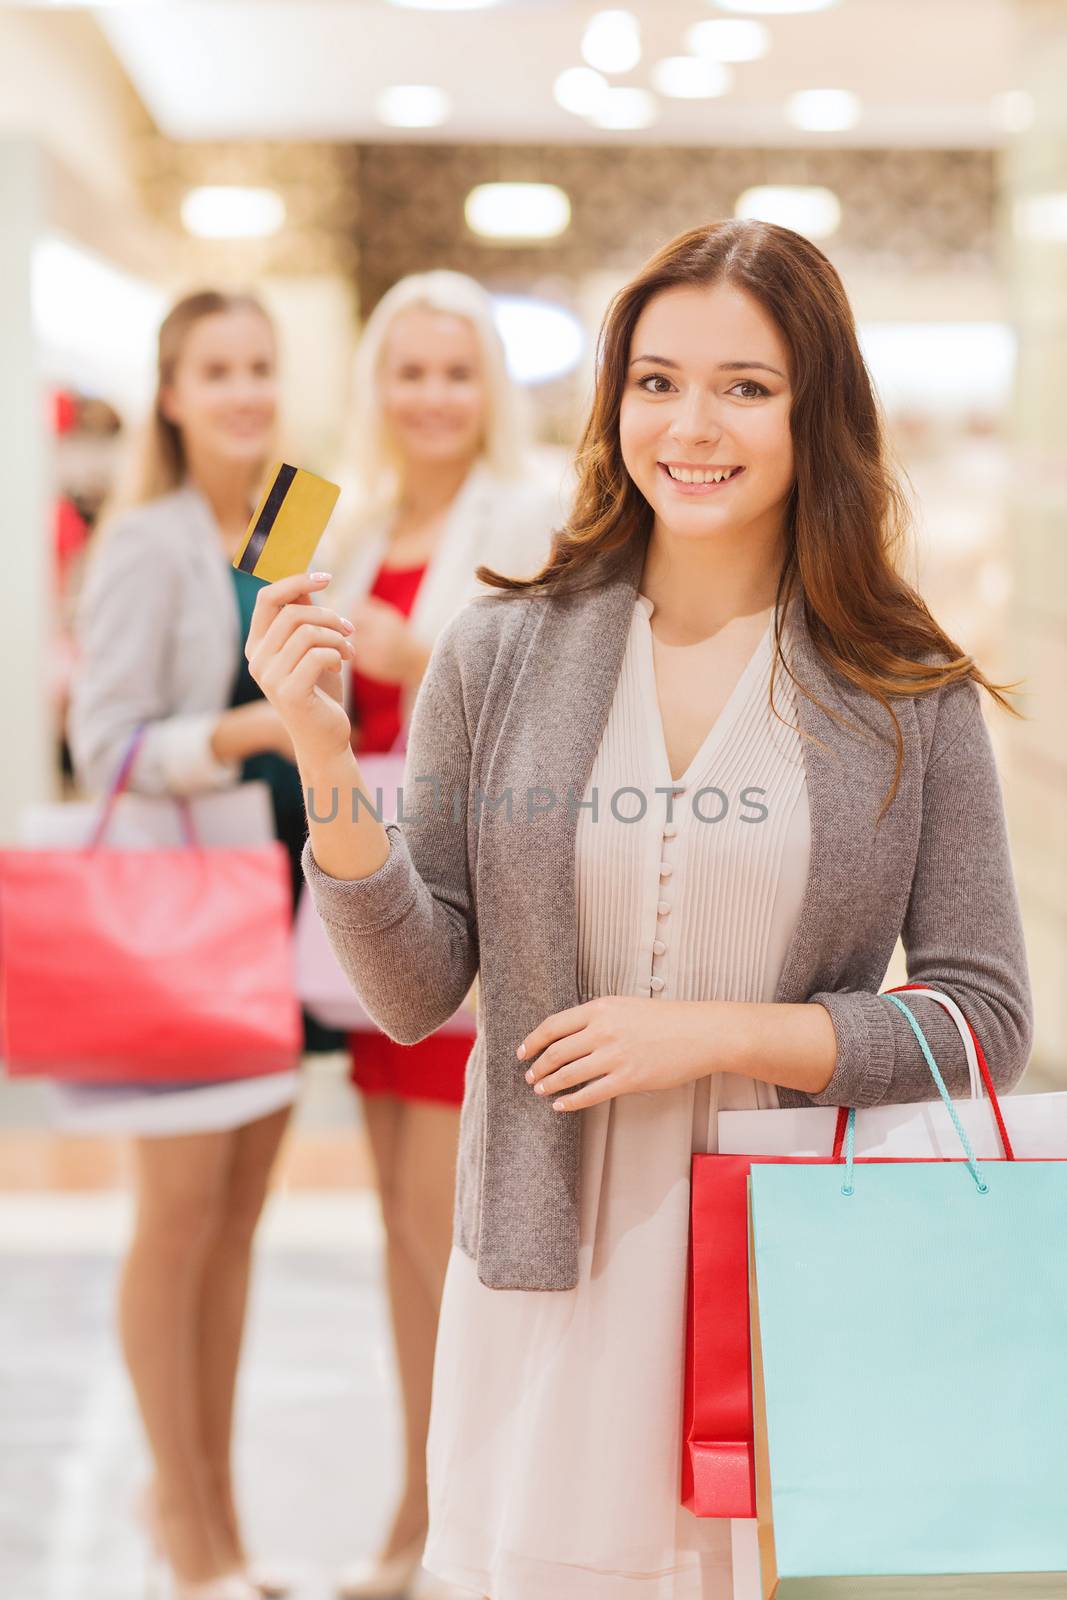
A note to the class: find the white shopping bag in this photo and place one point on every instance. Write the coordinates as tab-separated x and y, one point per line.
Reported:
1036	1123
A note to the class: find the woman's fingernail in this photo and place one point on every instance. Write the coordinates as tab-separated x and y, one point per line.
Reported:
348	627
521	1052
529	1076
320	577
539	1088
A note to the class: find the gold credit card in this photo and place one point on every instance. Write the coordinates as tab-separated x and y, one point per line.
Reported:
287	524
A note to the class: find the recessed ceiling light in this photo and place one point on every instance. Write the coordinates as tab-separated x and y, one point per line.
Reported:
413	105
517	211
1041	217
1013	110
808	209
722	39
223	211
612	41
823	110
689	78
581	90
627	108
774	8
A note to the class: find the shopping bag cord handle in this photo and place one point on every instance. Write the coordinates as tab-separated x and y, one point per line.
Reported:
983	1068
980	1061
975	1170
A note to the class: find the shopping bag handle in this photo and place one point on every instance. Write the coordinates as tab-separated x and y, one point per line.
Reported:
976	1061
977	1065
118	787
975	1170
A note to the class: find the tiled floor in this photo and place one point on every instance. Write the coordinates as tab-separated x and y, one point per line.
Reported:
318	1444
318	1447
318	1451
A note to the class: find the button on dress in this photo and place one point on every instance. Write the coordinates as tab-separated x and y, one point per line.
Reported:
555	1438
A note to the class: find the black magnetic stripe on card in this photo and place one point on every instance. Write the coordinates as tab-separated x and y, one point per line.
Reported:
267	518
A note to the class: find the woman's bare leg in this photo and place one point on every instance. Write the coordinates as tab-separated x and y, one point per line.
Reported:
180	1183
408	1307
223	1303
414	1147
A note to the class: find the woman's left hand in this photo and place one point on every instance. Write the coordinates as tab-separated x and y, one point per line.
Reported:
622	1044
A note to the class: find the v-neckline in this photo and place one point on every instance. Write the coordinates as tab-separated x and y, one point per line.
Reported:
726	716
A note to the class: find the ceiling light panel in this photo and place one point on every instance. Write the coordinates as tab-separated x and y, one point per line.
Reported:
808	209
728	39
823	110
581	90
413	105
690	78
224	211
516	212
612	41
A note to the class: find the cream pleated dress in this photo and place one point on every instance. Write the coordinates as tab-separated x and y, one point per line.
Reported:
555	1442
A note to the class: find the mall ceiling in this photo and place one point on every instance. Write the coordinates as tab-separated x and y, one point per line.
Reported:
927	73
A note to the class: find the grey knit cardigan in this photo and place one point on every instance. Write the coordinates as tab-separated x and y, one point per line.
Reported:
514	701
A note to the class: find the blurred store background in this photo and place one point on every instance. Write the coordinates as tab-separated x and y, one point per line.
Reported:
318	150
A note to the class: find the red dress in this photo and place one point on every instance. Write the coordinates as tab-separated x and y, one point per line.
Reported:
434	1068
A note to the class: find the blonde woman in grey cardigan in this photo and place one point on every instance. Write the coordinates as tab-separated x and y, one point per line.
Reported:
674	800
160	632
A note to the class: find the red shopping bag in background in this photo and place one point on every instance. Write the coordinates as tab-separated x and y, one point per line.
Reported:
718	1475
136	966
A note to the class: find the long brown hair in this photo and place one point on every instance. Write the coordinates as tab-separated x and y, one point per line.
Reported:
847	518
159	463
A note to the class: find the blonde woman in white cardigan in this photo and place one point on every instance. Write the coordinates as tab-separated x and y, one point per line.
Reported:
445	484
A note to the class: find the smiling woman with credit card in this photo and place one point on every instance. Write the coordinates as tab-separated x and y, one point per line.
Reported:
682	792
162	620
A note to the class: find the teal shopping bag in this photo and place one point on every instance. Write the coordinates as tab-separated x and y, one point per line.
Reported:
910	1375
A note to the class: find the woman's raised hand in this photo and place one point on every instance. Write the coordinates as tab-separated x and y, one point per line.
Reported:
295	651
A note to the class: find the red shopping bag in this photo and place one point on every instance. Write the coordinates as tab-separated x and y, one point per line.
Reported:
143	966
718	1466
718	1476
